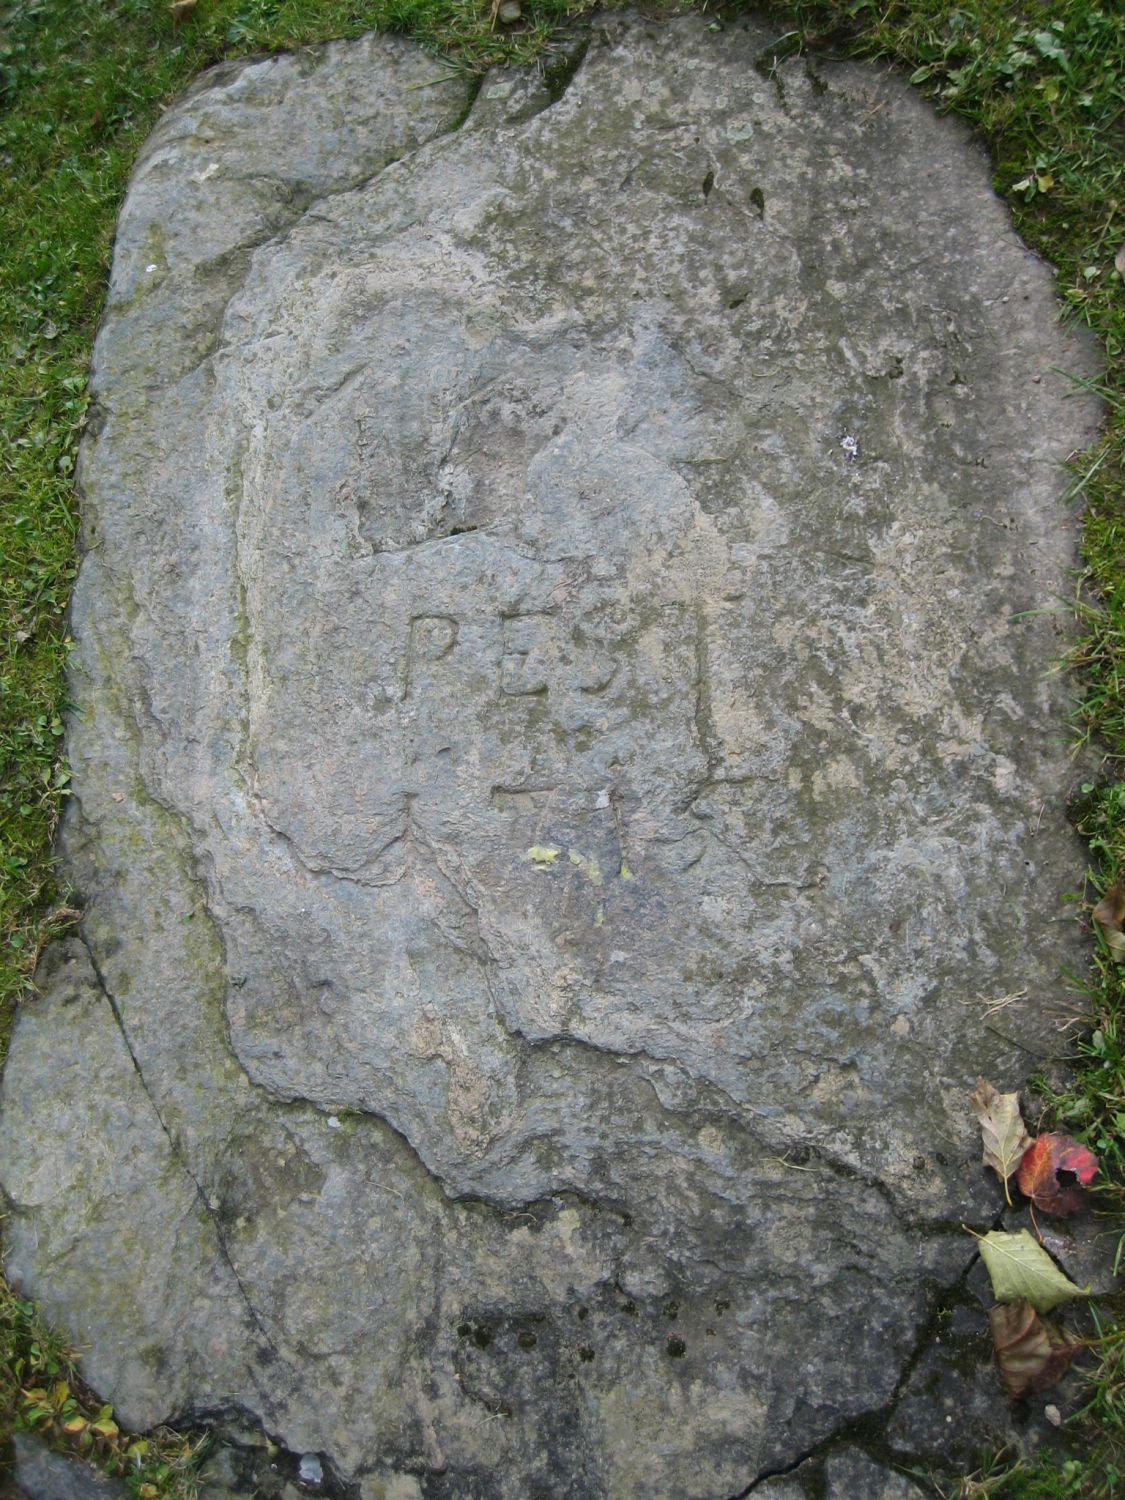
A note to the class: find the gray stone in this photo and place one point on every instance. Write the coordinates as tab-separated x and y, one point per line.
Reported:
844	1473
565	738
310	1470
259	1471
852	1475
951	1405
783	1487
42	1475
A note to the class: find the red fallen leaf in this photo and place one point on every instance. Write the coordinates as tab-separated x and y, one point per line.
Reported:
1031	1353
1055	1172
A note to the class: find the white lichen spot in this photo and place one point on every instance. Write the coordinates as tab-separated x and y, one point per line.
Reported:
1004	775
568	1223
838	775
850	445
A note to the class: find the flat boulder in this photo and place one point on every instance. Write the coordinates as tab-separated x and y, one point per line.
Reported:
565	752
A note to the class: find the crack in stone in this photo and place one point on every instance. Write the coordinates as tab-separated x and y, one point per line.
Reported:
325	872
180	1156
854	1431
734	1115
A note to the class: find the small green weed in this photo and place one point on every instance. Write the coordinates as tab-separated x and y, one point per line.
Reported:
42	1392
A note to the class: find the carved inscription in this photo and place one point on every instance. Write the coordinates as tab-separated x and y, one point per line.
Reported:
530	651
431	638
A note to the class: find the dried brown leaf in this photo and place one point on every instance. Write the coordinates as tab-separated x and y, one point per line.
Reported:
1032	1354
1002	1130
1109	915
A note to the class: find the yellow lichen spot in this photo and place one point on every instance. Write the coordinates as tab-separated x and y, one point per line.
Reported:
625	872
589	867
542	856
599	920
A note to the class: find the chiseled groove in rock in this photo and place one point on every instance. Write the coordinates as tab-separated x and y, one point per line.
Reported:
734	1116
838	1166
301	206
324	872
180	1156
852	1429
195	856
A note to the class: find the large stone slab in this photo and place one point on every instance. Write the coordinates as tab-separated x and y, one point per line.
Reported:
564	739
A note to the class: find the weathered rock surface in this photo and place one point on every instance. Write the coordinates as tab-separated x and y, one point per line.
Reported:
562	745
39	1474
847	1474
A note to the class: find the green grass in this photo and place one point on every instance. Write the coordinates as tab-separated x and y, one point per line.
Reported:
81	83
42	1391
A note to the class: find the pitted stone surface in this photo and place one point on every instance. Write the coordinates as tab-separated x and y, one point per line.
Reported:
564	739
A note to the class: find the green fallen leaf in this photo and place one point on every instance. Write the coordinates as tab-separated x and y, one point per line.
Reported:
1018	1267
542	856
